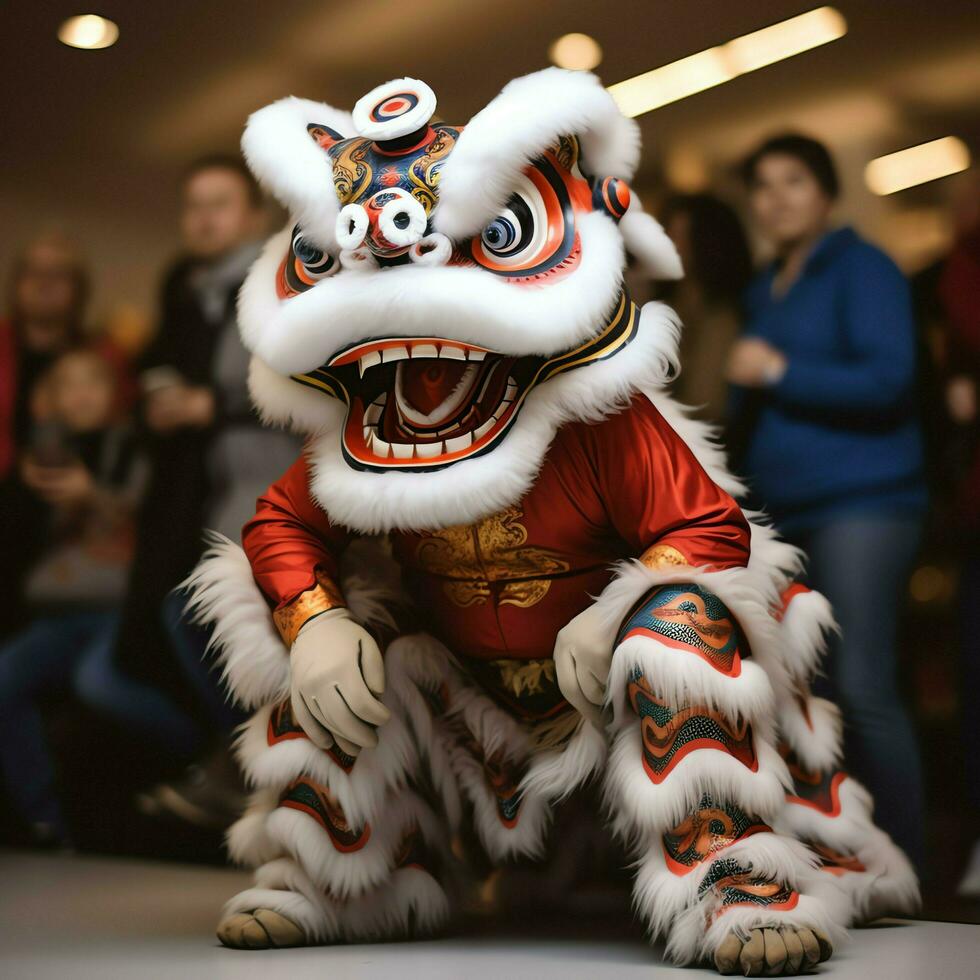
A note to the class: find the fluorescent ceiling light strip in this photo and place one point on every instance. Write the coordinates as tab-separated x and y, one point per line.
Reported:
917	165
711	67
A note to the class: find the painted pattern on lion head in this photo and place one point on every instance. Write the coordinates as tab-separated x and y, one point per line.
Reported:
445	297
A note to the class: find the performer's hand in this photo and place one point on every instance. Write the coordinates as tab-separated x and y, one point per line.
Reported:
337	677
583	653
755	363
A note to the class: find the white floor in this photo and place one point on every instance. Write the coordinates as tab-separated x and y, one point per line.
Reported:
74	918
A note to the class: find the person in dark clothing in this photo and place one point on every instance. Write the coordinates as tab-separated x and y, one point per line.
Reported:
717	263
210	456
82	468
825	380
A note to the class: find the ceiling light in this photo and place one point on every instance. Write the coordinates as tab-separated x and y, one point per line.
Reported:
706	69
785	39
917	165
577	51
88	31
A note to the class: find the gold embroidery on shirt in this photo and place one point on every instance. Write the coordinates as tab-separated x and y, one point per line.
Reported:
471	557
518	676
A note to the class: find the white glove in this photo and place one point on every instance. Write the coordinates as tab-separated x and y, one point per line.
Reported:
337	677
583	653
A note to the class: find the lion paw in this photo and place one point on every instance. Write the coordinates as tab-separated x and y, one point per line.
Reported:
772	952
259	929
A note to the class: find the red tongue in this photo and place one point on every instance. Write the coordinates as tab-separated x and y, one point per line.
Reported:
428	382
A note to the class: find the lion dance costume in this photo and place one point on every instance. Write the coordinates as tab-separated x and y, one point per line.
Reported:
507	562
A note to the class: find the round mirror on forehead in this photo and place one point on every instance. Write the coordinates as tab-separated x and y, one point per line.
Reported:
395	109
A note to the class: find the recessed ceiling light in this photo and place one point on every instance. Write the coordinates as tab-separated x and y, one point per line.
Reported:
88	31
917	165
577	51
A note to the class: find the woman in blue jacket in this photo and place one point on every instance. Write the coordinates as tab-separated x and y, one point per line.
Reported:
825	407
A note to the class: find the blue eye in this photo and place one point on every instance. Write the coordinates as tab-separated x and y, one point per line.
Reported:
314	259
306	252
499	234
305	265
511	231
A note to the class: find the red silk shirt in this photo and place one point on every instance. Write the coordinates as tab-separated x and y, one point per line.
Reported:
504	586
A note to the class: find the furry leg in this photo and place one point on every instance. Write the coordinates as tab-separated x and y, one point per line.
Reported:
695	783
826	807
325	830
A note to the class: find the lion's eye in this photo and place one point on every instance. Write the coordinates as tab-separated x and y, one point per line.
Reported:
304	266
510	231
314	260
534	232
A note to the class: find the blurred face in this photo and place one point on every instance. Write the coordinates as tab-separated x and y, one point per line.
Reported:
46	293
217	214
81	391
787	201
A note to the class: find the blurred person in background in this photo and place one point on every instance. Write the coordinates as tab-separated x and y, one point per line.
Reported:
825	413
717	262
959	297
81	467
49	291
211	458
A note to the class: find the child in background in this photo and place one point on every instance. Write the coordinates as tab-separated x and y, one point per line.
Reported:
81	464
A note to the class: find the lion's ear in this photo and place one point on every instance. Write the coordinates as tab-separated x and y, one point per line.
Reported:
285	145
531	115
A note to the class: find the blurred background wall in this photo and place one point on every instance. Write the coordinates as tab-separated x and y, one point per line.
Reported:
94	141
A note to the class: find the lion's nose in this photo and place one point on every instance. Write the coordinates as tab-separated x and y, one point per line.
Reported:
390	222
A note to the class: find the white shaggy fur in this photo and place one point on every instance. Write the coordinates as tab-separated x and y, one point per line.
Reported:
556	773
361	793
292	167
461	303
519	125
638	809
889	885
649	244
684	678
344	874
282	402
806	626
669	904
410	899
818	744
223	593
253	658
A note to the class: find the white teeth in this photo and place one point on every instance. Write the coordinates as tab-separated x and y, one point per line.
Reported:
390	354
484	429
373	414
476	355
456	353
381	448
368	435
368	361
460	442
424	350
426	450
402	450
511	392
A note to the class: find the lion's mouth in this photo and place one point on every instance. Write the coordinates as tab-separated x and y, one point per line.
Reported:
426	402
423	403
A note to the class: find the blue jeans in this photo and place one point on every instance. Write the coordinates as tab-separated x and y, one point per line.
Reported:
190	644
77	649
861	564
